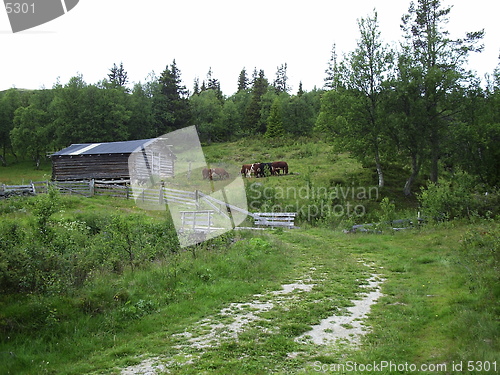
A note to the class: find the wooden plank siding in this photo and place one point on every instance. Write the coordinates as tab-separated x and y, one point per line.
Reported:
112	166
78	167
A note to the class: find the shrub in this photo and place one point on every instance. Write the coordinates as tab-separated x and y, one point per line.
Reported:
448	200
387	213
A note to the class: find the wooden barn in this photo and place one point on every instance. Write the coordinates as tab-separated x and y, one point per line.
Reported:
110	160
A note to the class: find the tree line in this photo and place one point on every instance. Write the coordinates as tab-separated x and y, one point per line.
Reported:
34	122
415	104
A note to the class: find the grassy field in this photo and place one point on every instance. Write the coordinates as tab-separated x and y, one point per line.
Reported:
440	283
23	172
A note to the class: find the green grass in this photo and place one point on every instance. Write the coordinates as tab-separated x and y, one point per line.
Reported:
440	291
431	311
324	185
23	172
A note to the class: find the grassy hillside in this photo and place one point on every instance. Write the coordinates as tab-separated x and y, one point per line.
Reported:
324	185
439	304
95	285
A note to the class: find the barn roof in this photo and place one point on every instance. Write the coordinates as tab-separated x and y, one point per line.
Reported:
123	147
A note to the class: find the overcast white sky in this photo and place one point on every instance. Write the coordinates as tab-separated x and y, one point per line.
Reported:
225	35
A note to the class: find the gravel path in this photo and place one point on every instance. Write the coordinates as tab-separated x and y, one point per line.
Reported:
348	328
232	320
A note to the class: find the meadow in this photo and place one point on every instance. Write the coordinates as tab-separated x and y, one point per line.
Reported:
95	285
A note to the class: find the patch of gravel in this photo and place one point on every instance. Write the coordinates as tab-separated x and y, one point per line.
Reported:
232	320
240	315
149	366
348	328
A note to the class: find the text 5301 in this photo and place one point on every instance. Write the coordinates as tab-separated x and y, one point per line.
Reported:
18	8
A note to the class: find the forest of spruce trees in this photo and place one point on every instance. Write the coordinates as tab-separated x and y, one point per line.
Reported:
415	104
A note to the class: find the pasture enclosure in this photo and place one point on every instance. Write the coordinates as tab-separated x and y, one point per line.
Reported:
439	294
201	204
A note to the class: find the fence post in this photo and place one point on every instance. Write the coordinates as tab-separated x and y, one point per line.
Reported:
33	188
160	195
92	187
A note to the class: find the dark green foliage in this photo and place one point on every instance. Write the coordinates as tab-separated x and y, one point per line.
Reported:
170	102
10	101
280	83
431	77
275	127
242	81
140	123
117	76
206	113
253	110
48	255
460	197
333	74
32	133
88	113
214	85
420	110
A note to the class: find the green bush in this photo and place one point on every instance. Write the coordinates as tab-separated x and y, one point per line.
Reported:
448	199
44	206
43	253
387	213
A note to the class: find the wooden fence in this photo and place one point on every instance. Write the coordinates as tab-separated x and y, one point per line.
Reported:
89	188
159	195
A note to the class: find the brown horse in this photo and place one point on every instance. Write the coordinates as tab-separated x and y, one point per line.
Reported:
280	166
221	173
207	173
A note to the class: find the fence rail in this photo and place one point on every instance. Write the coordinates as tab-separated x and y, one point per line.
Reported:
117	191
90	188
159	195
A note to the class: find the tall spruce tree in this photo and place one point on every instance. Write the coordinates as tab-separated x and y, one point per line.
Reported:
171	105
275	121
196	86
242	80
300	92
281	81
431	73
117	76
214	84
332	79
253	116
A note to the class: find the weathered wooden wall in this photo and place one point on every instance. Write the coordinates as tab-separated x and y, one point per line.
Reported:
101	167
78	167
